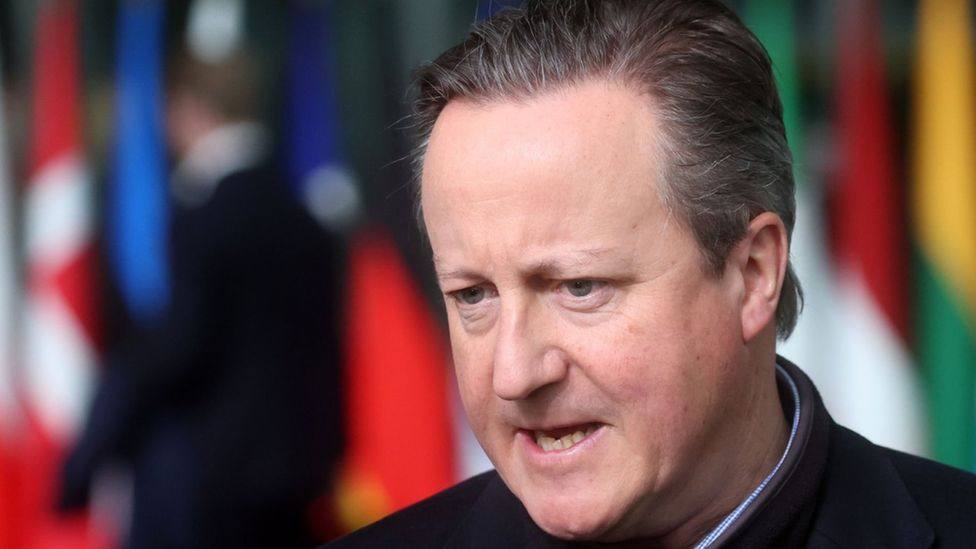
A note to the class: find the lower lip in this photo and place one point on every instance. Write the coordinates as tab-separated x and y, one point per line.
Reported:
538	455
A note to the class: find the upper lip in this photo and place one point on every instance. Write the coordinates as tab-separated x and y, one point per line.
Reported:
548	427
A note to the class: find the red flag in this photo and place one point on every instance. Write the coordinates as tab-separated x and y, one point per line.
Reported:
870	213
878	391
400	445
9	413
60	322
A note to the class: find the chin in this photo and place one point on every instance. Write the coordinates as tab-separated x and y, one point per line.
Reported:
566	519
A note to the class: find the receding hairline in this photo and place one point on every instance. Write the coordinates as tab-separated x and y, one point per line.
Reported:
661	139
658	132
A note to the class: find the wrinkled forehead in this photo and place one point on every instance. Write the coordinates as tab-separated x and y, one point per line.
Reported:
569	170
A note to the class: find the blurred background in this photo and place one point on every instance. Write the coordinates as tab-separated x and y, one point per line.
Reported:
879	100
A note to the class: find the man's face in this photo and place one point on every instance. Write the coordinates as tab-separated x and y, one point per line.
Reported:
596	359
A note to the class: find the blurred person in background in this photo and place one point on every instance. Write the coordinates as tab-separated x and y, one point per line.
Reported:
227	407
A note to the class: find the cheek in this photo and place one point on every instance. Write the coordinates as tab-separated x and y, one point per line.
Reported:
473	372
662	371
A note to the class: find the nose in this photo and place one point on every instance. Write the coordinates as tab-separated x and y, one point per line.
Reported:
525	359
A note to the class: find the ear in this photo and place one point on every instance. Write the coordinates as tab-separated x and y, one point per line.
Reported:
762	256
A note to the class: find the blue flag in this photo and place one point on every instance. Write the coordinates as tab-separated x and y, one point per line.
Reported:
312	104
487	8
313	152
139	197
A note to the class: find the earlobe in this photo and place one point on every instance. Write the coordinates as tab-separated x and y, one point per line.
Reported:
763	263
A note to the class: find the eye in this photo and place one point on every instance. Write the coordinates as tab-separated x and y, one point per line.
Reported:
585	294
470	296
581	288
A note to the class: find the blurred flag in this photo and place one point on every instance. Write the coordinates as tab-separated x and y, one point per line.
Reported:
138	198
487	8
9	406
944	222
313	153
398	427
60	315
877	390
400	439
847	338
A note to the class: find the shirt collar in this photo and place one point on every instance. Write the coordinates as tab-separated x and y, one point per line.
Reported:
773	480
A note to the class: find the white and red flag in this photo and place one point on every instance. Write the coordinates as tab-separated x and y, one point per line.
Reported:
57	364
875	388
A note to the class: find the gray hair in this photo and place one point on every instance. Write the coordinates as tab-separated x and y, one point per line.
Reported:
710	82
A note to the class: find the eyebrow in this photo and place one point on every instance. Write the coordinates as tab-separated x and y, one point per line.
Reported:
463	274
555	266
561	265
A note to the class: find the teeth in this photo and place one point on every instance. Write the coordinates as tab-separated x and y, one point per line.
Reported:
549	444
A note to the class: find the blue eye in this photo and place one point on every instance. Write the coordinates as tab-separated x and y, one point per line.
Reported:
471	296
580	288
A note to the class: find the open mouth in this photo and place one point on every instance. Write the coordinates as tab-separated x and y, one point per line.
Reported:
562	439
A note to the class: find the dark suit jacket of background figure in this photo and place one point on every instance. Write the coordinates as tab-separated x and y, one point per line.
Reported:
228	408
842	493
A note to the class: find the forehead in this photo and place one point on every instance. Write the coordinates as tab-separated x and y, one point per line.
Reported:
585	150
561	125
515	183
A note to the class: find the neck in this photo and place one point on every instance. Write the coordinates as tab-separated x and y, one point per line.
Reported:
744	456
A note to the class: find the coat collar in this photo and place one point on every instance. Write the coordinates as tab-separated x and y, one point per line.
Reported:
842	491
